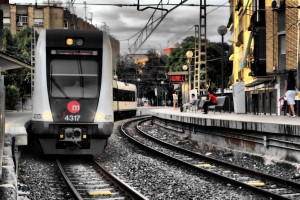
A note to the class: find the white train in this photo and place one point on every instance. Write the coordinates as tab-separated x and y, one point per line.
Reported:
124	99
73	92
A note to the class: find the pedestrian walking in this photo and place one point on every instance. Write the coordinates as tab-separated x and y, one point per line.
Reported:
290	87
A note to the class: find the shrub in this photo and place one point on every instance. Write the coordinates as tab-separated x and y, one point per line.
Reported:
12	97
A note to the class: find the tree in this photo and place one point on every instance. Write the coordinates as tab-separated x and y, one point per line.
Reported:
151	72
214	64
178	58
18	46
12	95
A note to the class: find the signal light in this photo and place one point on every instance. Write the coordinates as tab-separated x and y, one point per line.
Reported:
79	42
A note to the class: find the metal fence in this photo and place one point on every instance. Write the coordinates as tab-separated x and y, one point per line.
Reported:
2	120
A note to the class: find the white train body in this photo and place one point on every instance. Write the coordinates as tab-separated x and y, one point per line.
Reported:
73	95
124	99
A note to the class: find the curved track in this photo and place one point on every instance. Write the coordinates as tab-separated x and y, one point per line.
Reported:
90	180
268	185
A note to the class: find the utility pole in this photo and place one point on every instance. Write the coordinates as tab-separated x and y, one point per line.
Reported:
91	19
85	7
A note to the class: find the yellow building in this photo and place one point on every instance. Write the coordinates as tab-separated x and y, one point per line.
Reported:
265	39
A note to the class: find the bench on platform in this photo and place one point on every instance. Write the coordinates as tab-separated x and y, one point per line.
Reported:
198	105
220	104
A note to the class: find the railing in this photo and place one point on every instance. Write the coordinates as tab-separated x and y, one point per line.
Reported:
2	122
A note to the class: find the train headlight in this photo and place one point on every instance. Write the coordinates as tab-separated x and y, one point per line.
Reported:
47	116
99	116
69	41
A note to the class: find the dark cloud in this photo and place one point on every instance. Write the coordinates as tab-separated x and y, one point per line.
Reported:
125	22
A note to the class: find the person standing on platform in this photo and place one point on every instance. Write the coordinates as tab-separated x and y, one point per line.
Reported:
212	100
290	85
175	100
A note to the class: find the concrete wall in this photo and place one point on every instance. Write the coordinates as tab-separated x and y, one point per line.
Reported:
248	137
2	121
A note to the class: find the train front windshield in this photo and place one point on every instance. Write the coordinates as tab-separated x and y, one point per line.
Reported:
74	75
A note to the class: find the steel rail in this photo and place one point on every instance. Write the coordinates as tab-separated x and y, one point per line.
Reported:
75	192
130	191
127	191
270	194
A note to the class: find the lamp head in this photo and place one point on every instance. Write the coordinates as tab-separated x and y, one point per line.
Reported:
189	54
184	67
222	30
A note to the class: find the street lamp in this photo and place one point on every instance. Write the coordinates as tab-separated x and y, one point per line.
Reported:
162	91
185	68
189	55
137	91
222	30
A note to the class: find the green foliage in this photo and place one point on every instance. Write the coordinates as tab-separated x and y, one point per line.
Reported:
7	42
214	64
12	97
178	58
151	73
19	47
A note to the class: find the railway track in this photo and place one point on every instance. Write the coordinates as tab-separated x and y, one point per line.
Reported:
90	180
268	185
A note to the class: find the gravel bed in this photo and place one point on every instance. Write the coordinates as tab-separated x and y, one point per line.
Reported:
40	179
258	163
158	178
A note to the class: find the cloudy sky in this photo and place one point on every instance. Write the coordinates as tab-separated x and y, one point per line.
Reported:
124	22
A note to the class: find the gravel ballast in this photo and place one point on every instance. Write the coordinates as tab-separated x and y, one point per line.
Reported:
154	177
157	178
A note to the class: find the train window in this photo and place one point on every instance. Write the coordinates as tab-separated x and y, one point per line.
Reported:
115	94
125	95
74	78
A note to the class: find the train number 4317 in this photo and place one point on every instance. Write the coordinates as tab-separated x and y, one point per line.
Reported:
72	118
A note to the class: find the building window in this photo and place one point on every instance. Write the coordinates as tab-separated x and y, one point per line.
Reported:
22	19
38	22
6	21
282	44
66	24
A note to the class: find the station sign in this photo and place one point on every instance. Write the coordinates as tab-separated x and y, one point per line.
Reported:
177	77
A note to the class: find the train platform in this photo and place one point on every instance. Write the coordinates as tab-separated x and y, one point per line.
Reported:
260	123
269	136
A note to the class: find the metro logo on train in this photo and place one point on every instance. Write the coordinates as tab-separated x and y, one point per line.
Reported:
73	106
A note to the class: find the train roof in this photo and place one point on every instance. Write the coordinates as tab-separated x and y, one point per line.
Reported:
123	86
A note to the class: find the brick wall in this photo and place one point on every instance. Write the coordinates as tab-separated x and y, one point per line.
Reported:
57	18
291	34
13	19
271	39
30	16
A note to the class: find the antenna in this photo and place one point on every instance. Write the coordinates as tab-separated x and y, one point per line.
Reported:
85	10
91	19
